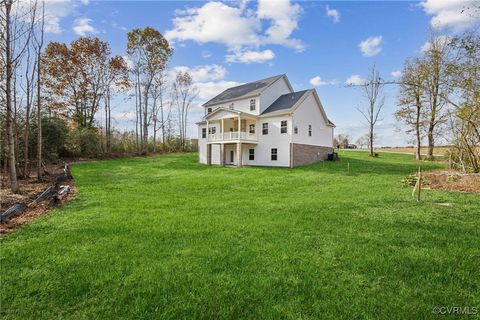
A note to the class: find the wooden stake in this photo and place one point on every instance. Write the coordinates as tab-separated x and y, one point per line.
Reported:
419	183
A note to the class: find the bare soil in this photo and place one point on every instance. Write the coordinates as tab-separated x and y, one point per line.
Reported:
30	190
450	180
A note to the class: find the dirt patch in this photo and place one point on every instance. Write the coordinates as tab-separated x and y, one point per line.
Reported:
31	189
450	180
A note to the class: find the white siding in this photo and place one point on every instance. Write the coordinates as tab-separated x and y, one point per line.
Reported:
272	93
240	105
274	139
309	113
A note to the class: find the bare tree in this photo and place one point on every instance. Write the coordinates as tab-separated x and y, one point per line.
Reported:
183	94
372	91
38	38
17	32
412	100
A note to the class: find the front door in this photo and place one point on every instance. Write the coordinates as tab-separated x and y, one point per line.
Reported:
231	156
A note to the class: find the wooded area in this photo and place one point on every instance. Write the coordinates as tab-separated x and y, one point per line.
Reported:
54	95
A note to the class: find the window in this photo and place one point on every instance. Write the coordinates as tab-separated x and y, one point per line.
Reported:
295	130
309	130
251	128
283	126
231	106
204	133
274	154
212	130
264	128
251	154
252	104
209	110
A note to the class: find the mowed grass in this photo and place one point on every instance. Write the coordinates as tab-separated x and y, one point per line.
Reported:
167	238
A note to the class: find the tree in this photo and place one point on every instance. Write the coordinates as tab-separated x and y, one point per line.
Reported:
412	100
150	52
16	32
183	94
341	140
464	75
76	76
38	49
436	59
115	78
372	91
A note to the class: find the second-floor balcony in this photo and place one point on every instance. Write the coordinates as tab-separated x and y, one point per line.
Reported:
233	136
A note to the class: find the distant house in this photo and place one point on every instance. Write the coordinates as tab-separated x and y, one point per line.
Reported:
265	123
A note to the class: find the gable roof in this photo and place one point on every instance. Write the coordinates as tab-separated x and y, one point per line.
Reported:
245	90
285	102
289	102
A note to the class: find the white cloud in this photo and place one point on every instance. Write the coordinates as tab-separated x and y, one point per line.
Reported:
333	13
456	14
283	17
208	90
396	73
240	29
250	56
317	81
82	26
206	54
371	46
203	73
215	22
355	80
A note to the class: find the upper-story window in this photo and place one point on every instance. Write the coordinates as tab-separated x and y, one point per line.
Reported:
204	133
251	128
209	110
309	130
265	128
252	104
283	126
231	106
295	130
212	130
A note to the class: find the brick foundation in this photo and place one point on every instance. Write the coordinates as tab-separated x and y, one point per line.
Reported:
302	154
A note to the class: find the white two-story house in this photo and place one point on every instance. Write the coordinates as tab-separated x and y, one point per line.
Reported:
264	123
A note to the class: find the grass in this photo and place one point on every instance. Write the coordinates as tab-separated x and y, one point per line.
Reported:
167	238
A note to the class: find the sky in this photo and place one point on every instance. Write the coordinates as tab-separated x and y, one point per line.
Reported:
317	44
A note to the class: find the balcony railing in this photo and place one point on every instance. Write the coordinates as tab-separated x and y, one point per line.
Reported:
232	136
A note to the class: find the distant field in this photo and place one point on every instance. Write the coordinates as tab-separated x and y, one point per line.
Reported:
168	238
438	151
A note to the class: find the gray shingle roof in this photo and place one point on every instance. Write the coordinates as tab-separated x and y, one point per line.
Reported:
285	102
244	90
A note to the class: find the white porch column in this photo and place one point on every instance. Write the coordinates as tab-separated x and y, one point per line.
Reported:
239	154
239	125
222	129
207	130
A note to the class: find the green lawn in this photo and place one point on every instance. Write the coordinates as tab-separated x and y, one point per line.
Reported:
167	238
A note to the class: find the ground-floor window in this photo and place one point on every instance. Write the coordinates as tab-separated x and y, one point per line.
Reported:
204	133
274	154
251	154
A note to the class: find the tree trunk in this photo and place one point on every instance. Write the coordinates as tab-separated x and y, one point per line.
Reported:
39	119
418	154
8	93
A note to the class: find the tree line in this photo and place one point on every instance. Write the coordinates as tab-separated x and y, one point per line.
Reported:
53	95
438	99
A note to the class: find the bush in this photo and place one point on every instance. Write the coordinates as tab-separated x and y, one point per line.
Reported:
85	142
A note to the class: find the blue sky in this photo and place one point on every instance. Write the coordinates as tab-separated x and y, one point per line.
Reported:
317	44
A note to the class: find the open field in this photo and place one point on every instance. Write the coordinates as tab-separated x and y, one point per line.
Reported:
167	238
438	151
